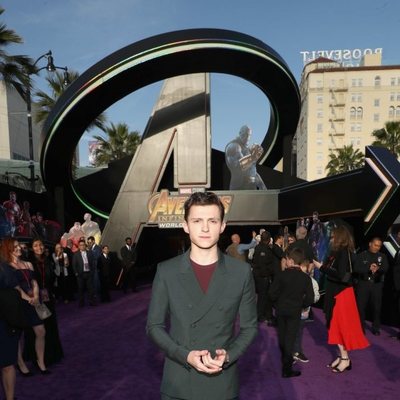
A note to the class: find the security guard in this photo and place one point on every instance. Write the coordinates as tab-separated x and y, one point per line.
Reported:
370	268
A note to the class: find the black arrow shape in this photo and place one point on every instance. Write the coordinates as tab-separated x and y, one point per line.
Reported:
371	192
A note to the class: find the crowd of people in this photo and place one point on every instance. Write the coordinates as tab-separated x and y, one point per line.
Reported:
292	271
270	279
32	280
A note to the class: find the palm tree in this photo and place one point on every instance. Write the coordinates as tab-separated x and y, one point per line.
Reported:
45	102
345	159
121	142
14	70
388	137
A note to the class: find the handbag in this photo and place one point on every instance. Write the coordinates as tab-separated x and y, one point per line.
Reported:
42	311
348	276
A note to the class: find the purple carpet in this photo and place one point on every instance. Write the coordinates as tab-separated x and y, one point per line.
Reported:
108	356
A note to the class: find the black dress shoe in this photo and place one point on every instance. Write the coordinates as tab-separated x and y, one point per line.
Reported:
375	332
290	374
24	374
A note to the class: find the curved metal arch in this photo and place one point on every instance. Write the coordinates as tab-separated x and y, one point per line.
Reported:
161	57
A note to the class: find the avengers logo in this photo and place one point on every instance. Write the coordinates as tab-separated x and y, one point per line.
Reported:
167	210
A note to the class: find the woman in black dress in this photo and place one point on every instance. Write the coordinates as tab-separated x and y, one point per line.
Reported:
11	252
9	336
45	276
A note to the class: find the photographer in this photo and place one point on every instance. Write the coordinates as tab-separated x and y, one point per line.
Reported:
370	268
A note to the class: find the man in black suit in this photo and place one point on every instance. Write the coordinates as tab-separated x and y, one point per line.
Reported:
104	268
96	250
263	270
128	255
83	266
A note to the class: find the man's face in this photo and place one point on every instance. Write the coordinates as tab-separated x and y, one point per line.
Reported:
90	242
375	246
204	226
128	242
82	246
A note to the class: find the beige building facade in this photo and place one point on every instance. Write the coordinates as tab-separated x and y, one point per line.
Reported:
14	136
342	106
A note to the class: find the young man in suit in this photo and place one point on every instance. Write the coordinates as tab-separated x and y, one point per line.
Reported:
83	266
201	293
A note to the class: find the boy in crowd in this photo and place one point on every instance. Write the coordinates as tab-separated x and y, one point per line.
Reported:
298	353
291	292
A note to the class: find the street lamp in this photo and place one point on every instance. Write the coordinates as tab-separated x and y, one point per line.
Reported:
50	67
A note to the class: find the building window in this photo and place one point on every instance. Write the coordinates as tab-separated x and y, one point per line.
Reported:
352	128
392	96
355	141
319	99
359	98
333	83
376	117
392	81
359	113
319	84
398	97
319	156
377	102
398	112
320	114
319	128
377	81
391	112
358	127
319	142
360	82
354	82
352	113
319	170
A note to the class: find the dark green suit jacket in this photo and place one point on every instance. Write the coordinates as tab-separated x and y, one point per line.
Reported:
201	321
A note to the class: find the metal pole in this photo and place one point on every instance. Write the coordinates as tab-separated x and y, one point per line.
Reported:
30	135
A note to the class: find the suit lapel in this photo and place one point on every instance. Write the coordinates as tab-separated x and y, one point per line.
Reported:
189	281
215	290
203	302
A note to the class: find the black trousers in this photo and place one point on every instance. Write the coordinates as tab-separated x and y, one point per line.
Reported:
288	326
85	281
264	304
369	293
129	278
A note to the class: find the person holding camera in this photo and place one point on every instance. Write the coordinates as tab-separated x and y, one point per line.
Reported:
370	268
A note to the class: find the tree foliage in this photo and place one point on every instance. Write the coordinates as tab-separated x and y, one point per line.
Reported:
14	69
120	142
344	159
388	137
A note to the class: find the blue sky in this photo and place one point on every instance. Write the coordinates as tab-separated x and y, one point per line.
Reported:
82	32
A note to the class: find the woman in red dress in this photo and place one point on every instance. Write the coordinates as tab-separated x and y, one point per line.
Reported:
340	307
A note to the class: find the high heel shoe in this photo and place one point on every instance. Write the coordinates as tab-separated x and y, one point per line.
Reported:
42	371
338	370
334	363
24	374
